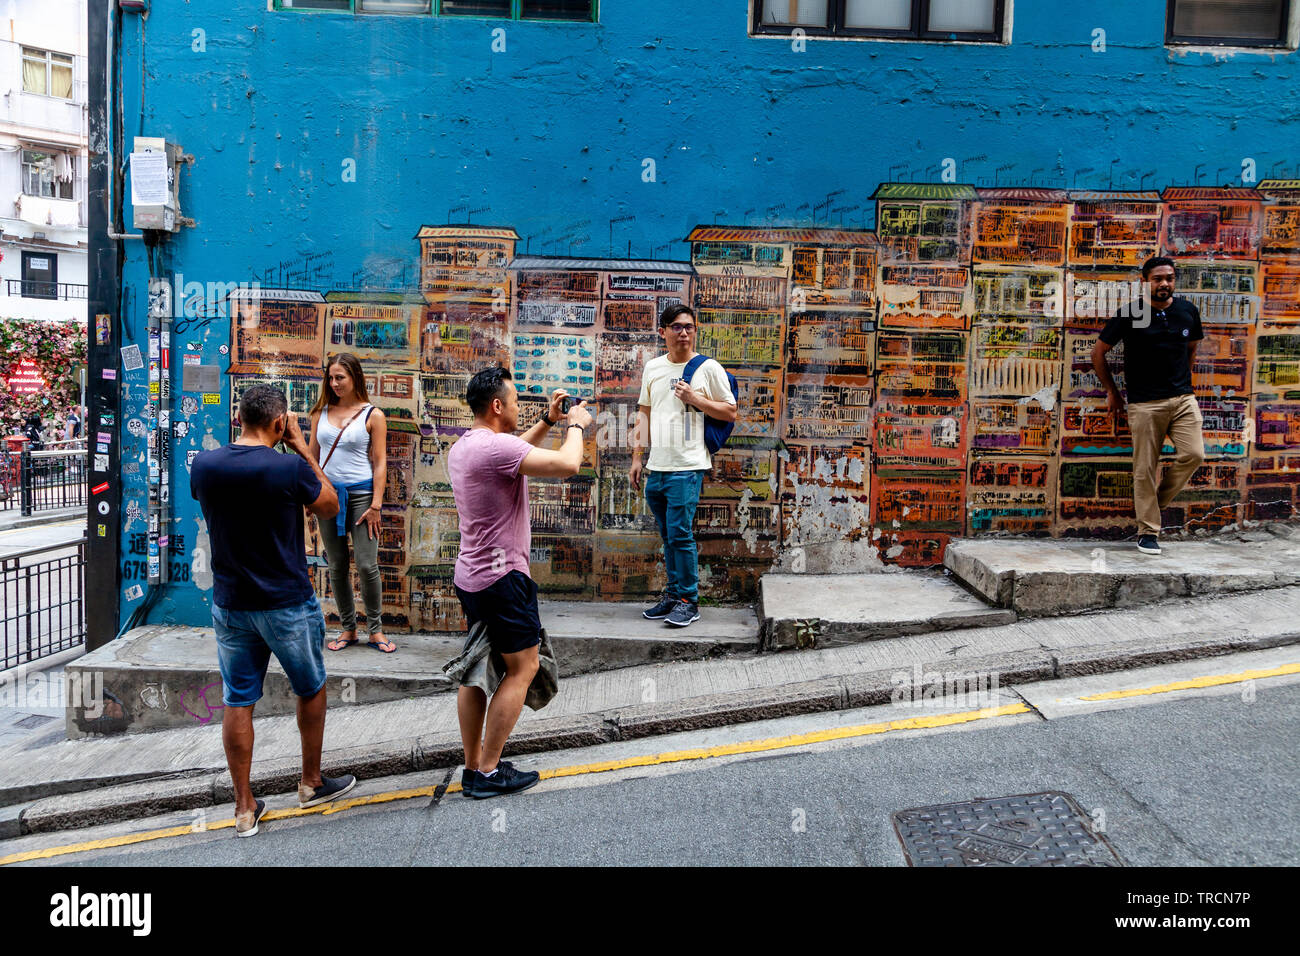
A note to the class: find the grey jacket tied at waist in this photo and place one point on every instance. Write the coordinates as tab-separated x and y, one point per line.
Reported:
480	666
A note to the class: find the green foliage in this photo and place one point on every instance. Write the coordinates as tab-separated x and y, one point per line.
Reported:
59	350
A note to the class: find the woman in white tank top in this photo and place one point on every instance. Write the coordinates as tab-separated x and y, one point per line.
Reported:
349	438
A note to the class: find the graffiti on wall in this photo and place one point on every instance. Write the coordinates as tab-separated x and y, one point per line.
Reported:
898	387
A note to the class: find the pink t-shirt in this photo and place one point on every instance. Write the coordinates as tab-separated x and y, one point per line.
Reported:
492	501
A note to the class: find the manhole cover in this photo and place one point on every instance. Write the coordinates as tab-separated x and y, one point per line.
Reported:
1030	829
35	720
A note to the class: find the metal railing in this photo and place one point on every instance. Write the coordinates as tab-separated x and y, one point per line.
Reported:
33	289
42	612
42	480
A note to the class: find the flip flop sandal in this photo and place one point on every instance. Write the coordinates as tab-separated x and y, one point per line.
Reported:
342	643
380	647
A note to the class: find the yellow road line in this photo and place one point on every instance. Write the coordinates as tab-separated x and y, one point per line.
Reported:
1195	682
286	814
781	743
672	756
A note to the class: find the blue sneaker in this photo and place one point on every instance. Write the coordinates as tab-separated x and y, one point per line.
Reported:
662	609
246	823
683	614
331	788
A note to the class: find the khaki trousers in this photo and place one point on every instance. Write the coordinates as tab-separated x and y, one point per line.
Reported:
1180	419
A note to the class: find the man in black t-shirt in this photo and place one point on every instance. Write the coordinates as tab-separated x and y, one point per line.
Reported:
1159	336
263	602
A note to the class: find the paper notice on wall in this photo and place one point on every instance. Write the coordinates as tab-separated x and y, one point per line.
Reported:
131	358
148	179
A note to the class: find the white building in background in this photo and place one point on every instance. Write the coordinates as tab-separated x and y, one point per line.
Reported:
43	158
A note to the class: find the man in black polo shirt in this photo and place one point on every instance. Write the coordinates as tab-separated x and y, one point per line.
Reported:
1159	337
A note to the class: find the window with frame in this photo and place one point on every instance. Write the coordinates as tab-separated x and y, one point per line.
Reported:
573	10
953	20
40	275
47	73
47	174
1262	23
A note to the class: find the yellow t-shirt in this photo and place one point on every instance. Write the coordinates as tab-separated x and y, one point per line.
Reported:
676	431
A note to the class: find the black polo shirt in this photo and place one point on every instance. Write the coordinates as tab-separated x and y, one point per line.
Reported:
1156	361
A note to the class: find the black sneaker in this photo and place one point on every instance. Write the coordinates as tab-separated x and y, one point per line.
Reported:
662	609
683	614
469	778
1148	544
506	780
331	788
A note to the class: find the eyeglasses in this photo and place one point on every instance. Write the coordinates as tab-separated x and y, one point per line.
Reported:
679	327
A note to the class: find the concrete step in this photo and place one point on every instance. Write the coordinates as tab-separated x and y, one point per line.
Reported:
828	610
165	676
1045	577
185	768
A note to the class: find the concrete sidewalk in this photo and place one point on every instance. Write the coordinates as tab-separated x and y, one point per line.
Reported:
1053	576
13	517
64	531
164	676
85	782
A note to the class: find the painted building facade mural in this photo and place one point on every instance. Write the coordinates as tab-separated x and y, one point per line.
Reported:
898	387
911	345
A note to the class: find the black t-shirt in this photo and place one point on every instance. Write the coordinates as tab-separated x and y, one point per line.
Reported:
1156	360
252	499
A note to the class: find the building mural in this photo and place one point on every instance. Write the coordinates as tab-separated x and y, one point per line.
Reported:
898	387
902	249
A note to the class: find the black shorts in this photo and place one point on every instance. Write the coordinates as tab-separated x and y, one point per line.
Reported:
508	607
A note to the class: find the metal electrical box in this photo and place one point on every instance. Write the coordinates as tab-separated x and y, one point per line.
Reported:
155	184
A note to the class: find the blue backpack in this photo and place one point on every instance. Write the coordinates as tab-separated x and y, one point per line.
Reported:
716	432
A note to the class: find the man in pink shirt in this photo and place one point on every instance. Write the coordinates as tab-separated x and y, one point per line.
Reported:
489	466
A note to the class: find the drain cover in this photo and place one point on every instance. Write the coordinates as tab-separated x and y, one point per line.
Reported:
1030	829
35	720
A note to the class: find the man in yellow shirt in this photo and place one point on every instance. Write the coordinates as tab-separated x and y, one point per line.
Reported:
671	414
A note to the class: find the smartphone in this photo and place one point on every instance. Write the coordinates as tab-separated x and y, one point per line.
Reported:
565	404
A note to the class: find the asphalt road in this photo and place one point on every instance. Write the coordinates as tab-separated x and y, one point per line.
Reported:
1194	778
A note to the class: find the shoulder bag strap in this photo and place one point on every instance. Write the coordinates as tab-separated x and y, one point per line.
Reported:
692	367
325	412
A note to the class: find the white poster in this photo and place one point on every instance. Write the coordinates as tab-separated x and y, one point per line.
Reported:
148	179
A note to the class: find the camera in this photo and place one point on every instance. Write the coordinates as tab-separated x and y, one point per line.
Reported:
565	404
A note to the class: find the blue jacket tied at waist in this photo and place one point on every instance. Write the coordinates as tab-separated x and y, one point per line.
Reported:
341	520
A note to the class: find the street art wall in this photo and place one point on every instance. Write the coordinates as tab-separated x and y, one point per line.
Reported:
898	387
903	252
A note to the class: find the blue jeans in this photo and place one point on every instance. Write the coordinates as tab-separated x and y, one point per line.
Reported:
672	497
247	639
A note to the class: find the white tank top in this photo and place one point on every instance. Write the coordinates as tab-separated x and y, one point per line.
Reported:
351	460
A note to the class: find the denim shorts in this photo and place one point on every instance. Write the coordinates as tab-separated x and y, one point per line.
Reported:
508	607
247	639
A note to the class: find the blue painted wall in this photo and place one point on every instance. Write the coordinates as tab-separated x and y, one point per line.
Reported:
550	137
